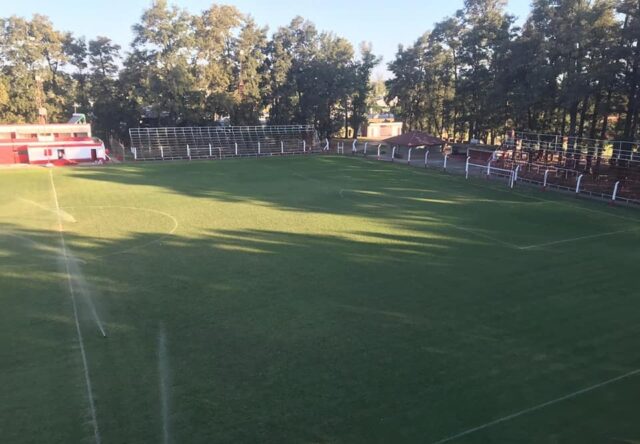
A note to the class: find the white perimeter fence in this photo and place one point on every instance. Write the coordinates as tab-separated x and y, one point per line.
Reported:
492	165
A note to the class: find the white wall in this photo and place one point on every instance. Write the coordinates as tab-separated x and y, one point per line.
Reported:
73	153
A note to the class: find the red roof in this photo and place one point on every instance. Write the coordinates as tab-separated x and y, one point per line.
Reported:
415	138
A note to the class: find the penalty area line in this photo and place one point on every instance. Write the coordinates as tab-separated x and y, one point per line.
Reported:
83	354
574	239
485	236
538	407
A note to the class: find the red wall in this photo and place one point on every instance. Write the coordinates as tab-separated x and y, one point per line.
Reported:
6	155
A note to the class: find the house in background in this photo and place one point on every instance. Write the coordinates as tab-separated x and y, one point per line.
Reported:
381	126
62	143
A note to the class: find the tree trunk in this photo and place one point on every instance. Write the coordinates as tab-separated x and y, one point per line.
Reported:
346	119
592	144
583	114
573	119
594	116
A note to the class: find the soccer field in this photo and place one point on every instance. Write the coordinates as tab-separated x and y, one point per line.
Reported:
312	300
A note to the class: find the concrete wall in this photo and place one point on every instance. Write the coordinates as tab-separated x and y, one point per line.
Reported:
383	130
79	154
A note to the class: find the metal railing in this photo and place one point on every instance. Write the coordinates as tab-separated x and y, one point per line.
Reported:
573	146
221	142
502	165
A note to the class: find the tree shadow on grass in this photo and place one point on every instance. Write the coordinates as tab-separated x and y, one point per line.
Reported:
324	184
289	336
272	335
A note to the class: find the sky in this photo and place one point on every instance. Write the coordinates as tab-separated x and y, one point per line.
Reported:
383	23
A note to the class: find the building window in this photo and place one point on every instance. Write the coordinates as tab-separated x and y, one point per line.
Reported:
47	152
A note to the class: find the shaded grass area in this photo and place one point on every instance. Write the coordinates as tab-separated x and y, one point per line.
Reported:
314	300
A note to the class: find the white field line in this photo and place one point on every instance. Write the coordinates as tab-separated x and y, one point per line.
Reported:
485	236
85	364
63	214
538	407
146	244
593	210
163	373
574	239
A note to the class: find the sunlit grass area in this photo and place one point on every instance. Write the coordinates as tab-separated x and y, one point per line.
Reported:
312	300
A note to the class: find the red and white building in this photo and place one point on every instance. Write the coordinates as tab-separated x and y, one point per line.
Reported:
59	144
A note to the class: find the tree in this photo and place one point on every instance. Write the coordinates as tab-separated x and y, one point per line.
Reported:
250	58
290	51
424	91
33	55
75	49
108	108
215	67
103	57
362	86
572	66
163	53
630	52
487	32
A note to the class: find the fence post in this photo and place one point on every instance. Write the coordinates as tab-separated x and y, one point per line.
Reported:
444	166
615	191
578	183
379	145
409	157
466	168
236	145
489	168
353	147
281	147
393	154
326	146
365	148
188	151
426	156
515	174
135	153
161	152
210	151
258	147
304	146
220	152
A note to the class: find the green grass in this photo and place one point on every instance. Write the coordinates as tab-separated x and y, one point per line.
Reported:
314	300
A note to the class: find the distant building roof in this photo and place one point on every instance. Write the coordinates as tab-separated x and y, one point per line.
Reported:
415	138
78	118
